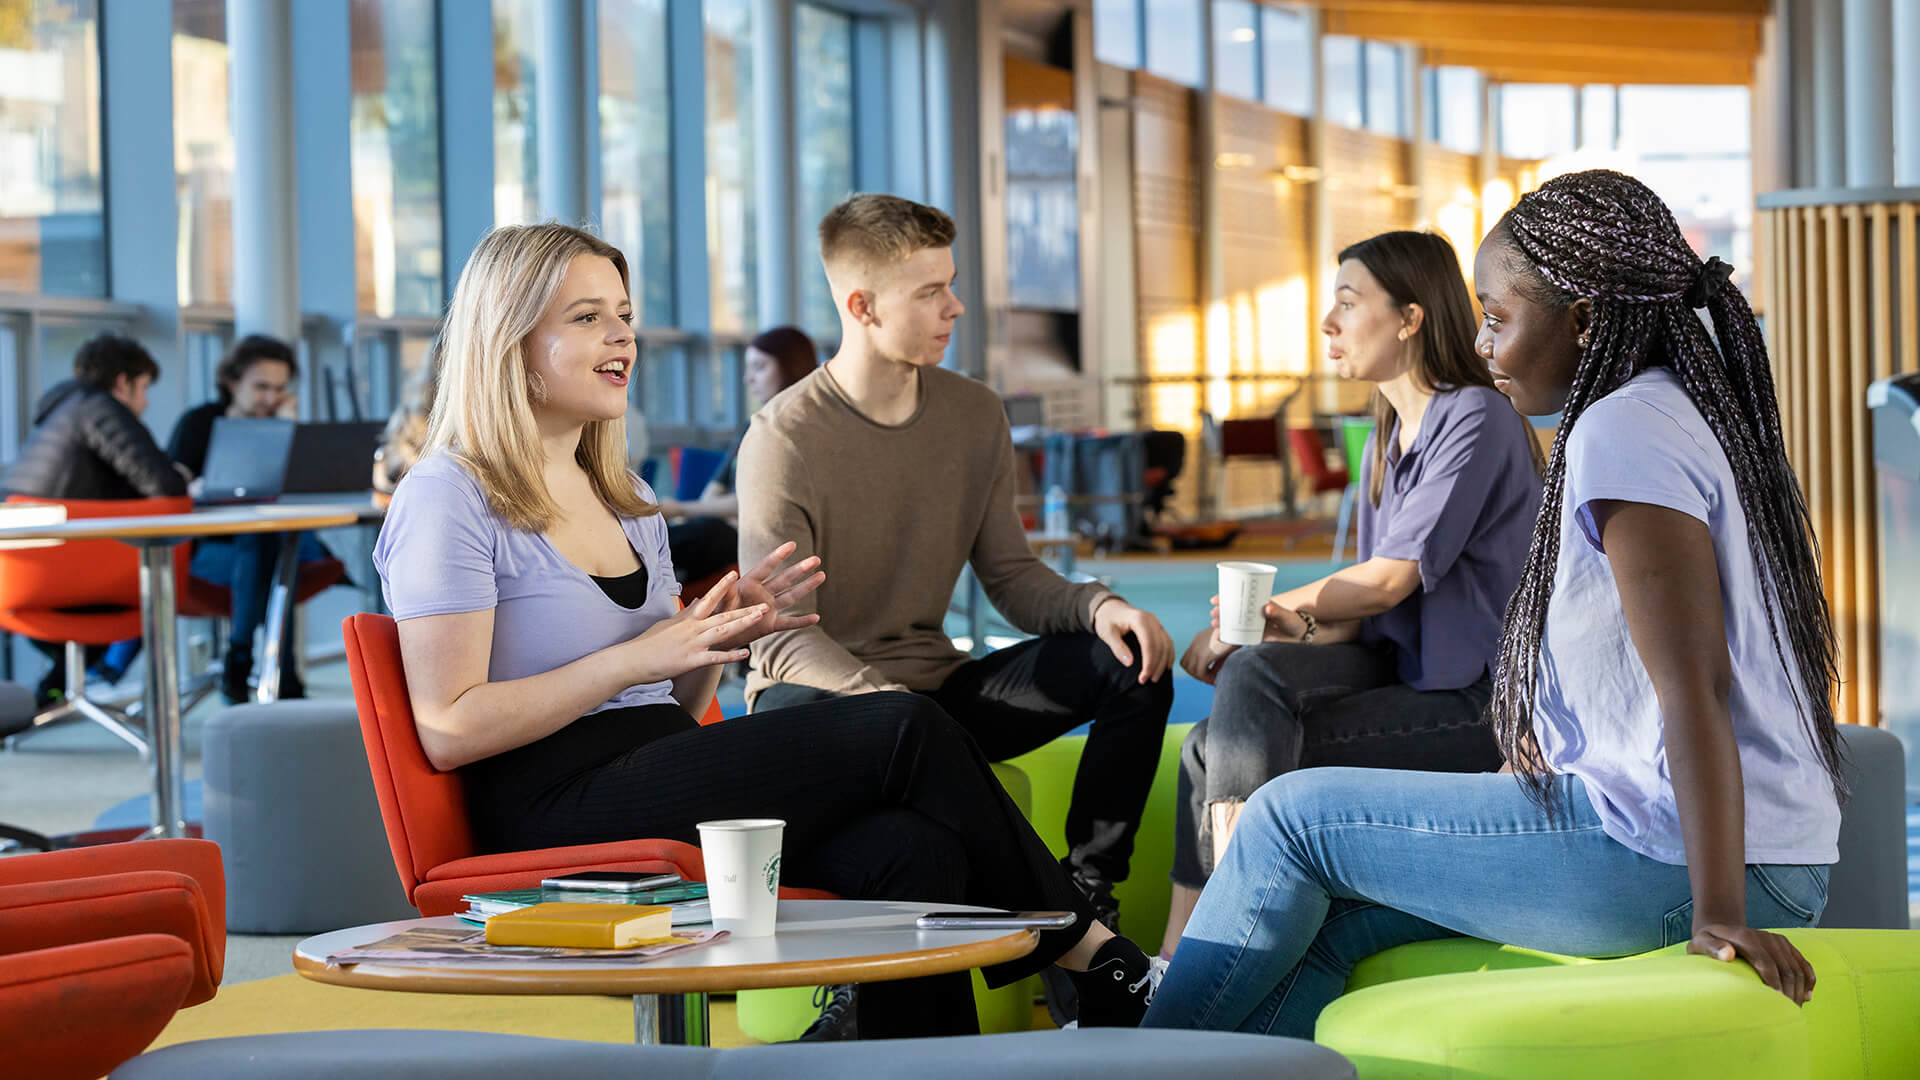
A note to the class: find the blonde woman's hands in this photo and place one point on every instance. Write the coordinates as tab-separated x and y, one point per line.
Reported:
700	635
776	587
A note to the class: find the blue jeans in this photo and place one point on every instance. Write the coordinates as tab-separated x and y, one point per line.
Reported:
244	565
1329	866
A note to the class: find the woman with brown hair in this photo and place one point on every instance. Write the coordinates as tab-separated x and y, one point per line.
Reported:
1383	664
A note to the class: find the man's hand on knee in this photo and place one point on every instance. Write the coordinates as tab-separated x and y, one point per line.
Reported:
1114	619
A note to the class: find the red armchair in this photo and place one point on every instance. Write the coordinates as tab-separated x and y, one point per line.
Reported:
425	809
100	946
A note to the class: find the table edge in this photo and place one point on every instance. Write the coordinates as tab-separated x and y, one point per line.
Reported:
644	979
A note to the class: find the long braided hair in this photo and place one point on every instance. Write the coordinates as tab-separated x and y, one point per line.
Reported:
1603	236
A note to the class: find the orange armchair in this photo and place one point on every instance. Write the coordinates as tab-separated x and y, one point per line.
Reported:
99	947
40	588
425	809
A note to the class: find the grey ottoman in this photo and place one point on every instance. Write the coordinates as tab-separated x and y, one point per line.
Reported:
1097	1054
289	799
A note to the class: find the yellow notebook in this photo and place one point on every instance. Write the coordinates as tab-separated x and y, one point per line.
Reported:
581	926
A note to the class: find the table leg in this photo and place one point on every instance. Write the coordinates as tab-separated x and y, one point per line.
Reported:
670	1020
286	570
162	700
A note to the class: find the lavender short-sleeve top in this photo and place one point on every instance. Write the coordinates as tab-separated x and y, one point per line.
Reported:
443	551
1461	502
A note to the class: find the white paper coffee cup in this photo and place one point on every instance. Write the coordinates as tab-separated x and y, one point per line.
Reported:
1245	588
743	873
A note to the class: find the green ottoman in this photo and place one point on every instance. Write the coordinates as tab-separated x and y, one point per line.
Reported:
1466	1008
771	1016
1145	894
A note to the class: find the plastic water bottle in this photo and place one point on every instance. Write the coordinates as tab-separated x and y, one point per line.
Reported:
1054	512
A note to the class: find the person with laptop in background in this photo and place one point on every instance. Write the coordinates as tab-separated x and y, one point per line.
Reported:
255	381
88	443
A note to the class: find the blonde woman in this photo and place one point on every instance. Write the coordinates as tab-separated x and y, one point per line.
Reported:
529	572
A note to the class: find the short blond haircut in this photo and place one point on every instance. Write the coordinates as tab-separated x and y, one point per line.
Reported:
870	232
483	412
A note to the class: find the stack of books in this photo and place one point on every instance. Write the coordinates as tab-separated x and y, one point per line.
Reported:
687	901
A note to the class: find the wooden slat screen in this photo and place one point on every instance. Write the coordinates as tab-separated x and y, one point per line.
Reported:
1842	311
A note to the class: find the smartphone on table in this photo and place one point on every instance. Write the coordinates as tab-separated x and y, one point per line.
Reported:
610	881
996	920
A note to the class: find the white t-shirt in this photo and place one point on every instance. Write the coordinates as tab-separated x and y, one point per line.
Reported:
1596	716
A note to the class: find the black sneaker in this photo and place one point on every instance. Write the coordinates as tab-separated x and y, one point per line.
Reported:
839	1015
1117	987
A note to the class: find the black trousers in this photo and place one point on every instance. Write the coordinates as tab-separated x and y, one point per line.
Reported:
885	798
702	546
1024	696
1282	705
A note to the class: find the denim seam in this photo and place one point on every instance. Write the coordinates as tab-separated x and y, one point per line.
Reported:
1253	924
1792	906
1293	976
1443	832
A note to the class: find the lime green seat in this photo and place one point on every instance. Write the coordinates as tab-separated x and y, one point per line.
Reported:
781	1015
1144	895
1465	1008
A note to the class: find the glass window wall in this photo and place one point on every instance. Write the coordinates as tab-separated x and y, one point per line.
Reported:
516	158
824	74
1116	32
1236	49
203	151
636	212
52	234
1285	60
1341	80
1173	40
395	139
1386	89
732	261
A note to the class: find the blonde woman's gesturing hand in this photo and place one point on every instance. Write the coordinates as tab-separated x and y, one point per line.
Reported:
700	635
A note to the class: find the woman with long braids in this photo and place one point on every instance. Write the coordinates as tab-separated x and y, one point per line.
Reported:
1665	673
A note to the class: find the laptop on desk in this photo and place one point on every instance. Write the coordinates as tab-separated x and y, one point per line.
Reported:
333	458
246	461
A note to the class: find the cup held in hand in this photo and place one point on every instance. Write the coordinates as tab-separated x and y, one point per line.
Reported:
1244	590
743	873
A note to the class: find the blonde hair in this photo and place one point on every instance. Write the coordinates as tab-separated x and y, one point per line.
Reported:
867	231
483	413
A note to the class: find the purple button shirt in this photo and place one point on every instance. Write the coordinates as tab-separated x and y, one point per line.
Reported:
1461	503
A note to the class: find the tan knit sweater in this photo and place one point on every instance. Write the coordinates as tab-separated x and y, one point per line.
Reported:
893	512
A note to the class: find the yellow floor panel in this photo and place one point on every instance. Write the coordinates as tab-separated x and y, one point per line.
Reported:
293	1003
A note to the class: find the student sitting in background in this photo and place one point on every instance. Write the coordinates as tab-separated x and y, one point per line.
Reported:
704	541
88	443
255	381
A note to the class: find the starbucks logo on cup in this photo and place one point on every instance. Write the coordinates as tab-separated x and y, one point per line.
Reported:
772	873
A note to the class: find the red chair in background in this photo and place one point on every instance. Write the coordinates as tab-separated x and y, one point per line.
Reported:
100	946
1311	453
425	809
41	588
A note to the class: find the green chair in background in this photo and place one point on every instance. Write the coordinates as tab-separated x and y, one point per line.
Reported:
1354	432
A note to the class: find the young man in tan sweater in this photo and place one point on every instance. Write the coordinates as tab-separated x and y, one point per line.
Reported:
897	472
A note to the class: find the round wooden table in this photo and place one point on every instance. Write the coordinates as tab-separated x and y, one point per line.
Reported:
818	942
156	536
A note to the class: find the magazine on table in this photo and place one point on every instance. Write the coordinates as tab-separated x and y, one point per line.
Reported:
439	946
687	900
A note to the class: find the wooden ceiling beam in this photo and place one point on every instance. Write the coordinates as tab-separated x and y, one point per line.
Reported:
1431	27
1511	68
1649	8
